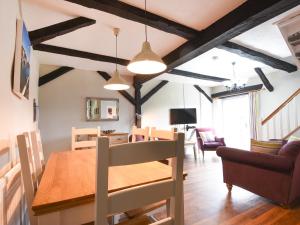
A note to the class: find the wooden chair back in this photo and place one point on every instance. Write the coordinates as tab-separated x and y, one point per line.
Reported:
5	156
162	134
13	196
2	206
37	152
136	197
140	132
86	144
28	173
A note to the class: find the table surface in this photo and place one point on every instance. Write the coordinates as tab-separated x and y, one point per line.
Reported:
69	179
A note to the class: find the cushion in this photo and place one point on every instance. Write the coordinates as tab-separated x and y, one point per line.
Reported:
291	149
212	144
293	138
210	136
269	147
203	136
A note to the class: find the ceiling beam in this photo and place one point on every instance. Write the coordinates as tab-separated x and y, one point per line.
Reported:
153	91
54	74
196	75
241	91
257	56
46	33
125	94
132	13
204	93
264	79
80	54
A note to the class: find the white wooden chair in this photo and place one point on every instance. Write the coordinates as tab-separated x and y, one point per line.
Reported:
28	174
2	194
5	156
13	196
162	134
140	132
37	153
136	197
86	144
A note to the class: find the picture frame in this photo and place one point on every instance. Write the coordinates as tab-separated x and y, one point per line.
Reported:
21	75
102	109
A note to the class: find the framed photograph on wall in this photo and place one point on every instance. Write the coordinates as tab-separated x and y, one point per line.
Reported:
102	109
21	74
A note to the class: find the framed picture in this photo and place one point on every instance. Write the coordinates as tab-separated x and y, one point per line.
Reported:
102	109
21	74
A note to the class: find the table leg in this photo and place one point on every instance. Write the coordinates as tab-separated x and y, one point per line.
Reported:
195	151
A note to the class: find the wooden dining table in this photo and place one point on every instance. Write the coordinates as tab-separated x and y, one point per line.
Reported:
67	189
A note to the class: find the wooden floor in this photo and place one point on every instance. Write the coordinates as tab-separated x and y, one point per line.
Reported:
207	200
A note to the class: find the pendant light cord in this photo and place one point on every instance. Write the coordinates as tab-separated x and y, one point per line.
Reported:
116	50
146	33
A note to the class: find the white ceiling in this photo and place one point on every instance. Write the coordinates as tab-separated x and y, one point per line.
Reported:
98	38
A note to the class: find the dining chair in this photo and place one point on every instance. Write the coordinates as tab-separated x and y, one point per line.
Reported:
140	134
5	157
162	134
136	197
84	144
36	137
28	174
2	194
37	153
12	199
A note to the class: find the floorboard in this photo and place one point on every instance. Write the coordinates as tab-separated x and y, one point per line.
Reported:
207	201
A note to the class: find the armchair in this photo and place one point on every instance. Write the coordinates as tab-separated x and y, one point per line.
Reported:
208	145
276	177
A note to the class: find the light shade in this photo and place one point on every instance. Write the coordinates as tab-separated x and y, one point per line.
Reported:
116	82
146	62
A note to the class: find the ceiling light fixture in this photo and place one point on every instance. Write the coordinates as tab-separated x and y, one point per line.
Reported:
147	61
116	82
235	83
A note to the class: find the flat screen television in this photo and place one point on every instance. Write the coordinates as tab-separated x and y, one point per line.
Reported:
183	116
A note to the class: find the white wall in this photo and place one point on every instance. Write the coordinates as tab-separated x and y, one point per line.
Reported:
155	112
62	105
16	115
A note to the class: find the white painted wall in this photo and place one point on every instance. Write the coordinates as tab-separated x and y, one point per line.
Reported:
155	112
62	105
16	115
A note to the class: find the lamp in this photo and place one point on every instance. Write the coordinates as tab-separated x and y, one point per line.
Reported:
147	61
235	83
116	82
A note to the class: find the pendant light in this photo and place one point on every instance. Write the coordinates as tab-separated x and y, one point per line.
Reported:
147	61
116	82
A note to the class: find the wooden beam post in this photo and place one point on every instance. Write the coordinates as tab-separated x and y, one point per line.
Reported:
47	33
196	75
203	92
241	91
124	93
54	74
264	79
80	54
257	56
138	103
153	91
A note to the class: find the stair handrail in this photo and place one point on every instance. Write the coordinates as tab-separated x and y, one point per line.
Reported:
295	94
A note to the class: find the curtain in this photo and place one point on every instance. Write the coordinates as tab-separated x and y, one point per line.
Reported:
255	125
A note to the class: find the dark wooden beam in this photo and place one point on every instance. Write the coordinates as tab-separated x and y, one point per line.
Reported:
125	94
154	90
264	79
80	54
243	18
129	12
54	74
138	103
204	93
257	56
244	90
47	33
196	75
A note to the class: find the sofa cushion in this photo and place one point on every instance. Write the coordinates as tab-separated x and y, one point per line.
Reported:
269	147
212	144
291	149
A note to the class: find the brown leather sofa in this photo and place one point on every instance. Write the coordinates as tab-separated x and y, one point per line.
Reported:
276	177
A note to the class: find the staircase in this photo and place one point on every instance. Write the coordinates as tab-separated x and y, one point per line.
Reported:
284	121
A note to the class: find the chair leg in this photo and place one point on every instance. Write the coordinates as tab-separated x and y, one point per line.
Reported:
229	187
202	154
